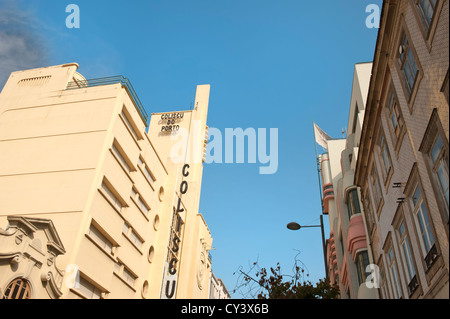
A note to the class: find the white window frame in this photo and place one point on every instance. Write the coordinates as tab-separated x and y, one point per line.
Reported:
405	244
394	274
422	220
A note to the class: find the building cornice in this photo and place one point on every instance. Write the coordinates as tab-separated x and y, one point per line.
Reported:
379	72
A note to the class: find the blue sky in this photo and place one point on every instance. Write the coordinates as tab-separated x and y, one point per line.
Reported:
271	64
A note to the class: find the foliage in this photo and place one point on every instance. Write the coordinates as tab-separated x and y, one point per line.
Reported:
276	288
275	285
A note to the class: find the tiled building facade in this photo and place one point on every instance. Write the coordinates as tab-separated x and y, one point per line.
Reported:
403	165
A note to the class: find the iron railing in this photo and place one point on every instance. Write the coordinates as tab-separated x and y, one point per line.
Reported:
125	82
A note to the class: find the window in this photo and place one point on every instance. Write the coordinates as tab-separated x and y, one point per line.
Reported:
146	171
395	281
422	221
395	118
100	239
355	118
376	189
131	234
88	289
408	65
406	252
128	276
142	205
341	244
444	88
125	274
120	157
112	197
140	202
362	261
370	219
130	126
426	10
18	289
439	160
382	281
435	149
353	203
385	157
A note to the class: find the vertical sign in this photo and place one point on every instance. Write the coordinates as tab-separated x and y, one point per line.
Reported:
170	279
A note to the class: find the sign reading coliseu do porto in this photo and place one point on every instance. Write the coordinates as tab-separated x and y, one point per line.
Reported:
171	270
170	122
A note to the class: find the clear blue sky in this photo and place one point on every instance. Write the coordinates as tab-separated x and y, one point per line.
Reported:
270	64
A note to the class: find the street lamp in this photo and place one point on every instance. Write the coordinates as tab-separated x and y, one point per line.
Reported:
296	226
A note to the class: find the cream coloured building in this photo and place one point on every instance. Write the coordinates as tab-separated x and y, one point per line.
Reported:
348	251
95	201
217	289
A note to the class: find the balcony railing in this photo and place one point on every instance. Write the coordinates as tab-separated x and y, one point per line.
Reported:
413	285
125	82
431	257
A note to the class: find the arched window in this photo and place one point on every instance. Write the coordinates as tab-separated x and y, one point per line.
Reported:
18	289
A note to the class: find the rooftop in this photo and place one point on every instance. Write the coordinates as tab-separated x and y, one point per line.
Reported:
125	82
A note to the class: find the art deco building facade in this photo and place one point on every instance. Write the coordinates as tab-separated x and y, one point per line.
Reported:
217	289
94	201
348	253
403	165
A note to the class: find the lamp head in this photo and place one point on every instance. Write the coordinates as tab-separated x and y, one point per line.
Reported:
293	226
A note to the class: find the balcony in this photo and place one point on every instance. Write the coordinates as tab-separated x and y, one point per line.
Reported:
431	257
124	82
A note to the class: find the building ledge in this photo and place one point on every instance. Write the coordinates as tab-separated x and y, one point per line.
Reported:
123	81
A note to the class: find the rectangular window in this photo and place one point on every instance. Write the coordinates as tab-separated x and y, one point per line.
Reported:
128	276
134	193
406	251
146	171
382	281
445	89
368	211
142	205
140	202
362	261
131	234
435	149
113	199
100	239
395	118
395	281
426	9
407	257
385	157
129	125
120	157
407	64
440	168
136	239
376	187
422	221
125	274
353	203
355	118
89	290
